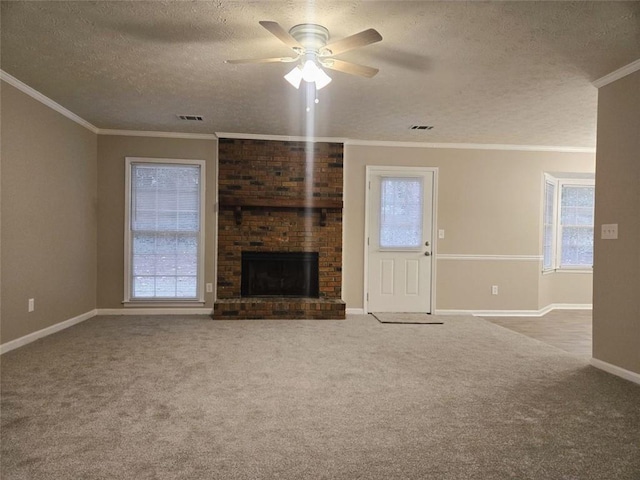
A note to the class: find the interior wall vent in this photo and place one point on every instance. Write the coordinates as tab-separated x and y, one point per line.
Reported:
192	118
421	127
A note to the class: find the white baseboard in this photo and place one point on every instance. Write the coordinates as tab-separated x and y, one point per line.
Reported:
567	306
489	313
32	337
156	311
355	311
518	313
615	370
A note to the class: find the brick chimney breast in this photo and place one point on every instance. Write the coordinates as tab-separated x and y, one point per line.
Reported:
279	197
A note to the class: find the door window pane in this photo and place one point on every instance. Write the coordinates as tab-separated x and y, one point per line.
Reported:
401	204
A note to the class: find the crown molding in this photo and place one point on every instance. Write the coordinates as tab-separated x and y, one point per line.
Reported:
280	138
142	133
471	146
384	143
617	74
23	87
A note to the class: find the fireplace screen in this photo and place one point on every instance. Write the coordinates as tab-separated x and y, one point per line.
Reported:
280	274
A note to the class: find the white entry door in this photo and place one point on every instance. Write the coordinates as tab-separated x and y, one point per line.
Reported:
400	226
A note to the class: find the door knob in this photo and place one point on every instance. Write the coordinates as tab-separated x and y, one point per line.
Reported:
426	244
426	254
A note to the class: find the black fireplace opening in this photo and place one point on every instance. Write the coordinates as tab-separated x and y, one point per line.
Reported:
280	274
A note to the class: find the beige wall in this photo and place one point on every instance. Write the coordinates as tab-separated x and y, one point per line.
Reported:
616	284
112	151
489	203
565	288
48	216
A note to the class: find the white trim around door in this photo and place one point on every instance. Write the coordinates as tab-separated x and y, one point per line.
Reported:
400	171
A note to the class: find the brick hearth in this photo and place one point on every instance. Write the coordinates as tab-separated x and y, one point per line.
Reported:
279	197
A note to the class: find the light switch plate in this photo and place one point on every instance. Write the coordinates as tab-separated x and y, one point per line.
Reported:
609	231
441	233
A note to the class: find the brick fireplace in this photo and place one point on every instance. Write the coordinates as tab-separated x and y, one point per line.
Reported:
279	198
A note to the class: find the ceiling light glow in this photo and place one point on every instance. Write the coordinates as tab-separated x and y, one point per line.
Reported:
310	72
294	77
322	79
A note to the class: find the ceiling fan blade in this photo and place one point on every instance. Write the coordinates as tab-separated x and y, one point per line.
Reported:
263	60
282	34
350	68
361	39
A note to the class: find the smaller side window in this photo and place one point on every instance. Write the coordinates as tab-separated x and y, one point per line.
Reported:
568	218
575	232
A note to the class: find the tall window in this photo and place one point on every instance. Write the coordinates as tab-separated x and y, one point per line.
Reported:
164	235
568	223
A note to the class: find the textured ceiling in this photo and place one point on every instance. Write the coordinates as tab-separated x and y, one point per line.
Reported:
479	72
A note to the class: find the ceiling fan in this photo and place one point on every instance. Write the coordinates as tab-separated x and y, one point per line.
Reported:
309	43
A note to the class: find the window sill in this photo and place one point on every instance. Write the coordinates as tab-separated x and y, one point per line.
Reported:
162	303
568	270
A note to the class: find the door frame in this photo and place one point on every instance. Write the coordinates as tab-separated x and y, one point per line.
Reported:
375	169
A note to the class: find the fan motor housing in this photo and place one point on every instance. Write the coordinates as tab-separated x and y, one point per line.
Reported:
311	36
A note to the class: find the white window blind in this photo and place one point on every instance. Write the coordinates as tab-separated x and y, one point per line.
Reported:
164	231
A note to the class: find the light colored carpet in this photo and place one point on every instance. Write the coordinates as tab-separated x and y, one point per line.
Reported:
192	398
568	330
418	318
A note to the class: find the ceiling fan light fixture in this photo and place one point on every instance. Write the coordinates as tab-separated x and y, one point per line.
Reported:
322	79
309	43
309	72
294	77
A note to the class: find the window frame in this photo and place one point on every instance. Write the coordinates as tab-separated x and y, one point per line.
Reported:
128	234
549	180
556	249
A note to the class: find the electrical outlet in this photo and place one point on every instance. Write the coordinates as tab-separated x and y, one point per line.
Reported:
209	287
32	305
609	231
494	289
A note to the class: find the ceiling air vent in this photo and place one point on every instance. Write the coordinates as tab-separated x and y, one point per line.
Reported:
191	118
421	127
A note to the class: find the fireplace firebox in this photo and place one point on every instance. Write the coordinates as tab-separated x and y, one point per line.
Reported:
280	274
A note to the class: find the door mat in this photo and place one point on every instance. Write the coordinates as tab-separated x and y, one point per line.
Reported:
420	318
